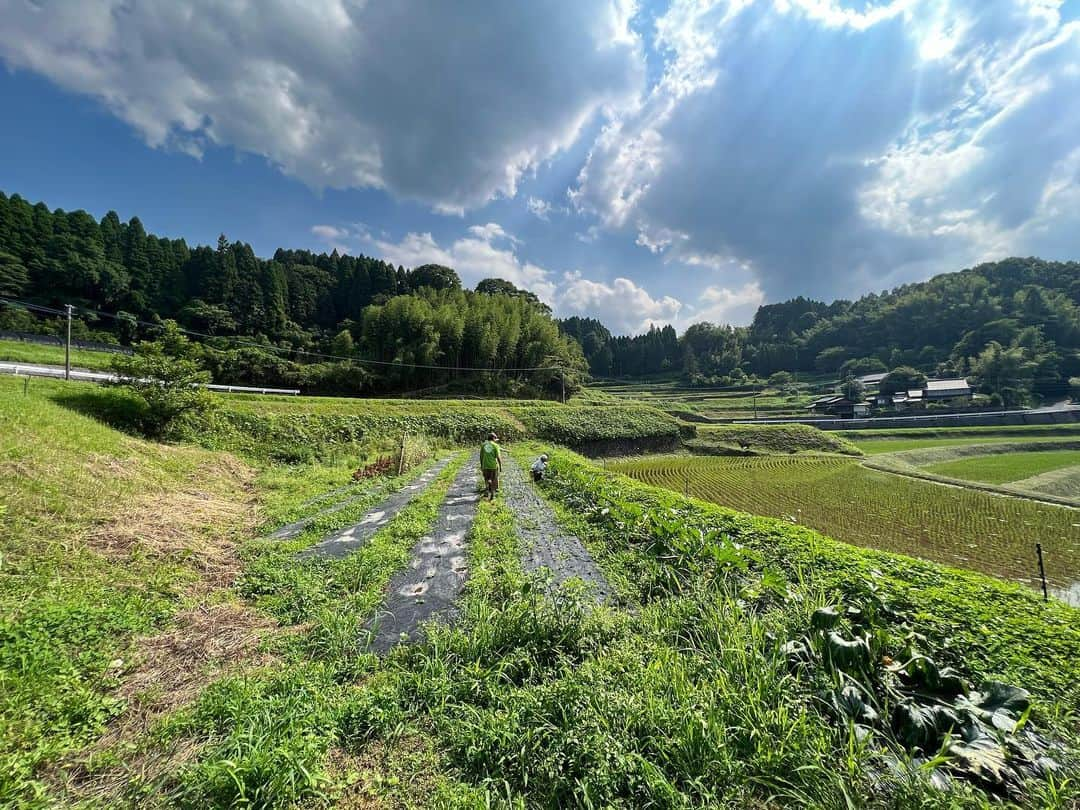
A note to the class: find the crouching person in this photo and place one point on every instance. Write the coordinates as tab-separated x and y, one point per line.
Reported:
539	467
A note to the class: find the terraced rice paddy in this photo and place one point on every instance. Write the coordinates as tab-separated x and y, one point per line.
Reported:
840	498
876	447
1007	467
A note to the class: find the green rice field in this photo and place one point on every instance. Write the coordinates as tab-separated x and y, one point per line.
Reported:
1007	467
876	447
960	527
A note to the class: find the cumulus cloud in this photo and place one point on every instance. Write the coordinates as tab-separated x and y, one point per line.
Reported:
541	209
446	103
622	305
487	251
828	148
725	305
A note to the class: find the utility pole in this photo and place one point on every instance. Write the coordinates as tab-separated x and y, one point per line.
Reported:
755	407
67	345
562	384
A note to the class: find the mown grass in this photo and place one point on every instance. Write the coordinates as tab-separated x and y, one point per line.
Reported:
960	527
1006	467
17	351
100	537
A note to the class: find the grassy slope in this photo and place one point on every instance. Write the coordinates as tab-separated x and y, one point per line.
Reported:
20	352
1015	432
100	535
776	438
680	699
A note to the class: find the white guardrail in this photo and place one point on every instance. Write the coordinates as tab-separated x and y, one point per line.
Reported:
31	370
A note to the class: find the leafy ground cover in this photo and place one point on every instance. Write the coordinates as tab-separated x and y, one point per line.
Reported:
961	527
1006	467
953	619
18	351
300	435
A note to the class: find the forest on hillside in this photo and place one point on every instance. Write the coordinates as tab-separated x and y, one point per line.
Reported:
1012	326
399	329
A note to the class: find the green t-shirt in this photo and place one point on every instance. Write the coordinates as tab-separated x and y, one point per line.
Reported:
489	456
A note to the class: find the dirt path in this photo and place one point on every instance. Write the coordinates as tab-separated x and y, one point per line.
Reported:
431	585
345	541
545	544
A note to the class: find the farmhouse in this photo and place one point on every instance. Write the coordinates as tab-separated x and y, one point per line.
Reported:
837	405
948	389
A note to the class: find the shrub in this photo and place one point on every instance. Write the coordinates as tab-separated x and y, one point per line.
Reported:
167	387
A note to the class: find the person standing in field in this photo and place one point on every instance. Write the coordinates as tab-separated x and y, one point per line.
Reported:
491	464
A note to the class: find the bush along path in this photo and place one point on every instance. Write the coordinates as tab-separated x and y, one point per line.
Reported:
430	586
544	544
344	542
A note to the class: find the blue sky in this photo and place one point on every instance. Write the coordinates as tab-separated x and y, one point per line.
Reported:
643	163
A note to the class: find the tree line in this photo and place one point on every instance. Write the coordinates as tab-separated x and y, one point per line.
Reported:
288	309
1013	326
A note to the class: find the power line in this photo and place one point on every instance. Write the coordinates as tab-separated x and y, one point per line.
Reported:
255	344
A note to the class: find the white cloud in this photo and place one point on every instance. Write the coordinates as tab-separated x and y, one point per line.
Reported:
329	232
541	209
828	149
446	103
474	257
622	305
490	232
725	305
488	251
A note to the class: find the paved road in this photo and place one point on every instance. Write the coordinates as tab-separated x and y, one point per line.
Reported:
344	542
85	375
431	585
545	545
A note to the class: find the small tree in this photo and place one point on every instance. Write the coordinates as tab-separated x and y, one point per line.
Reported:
167	387
901	378
852	389
1074	388
781	379
342	344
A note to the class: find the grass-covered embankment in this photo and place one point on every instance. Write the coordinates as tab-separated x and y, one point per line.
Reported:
297	433
712	439
17	351
103	538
